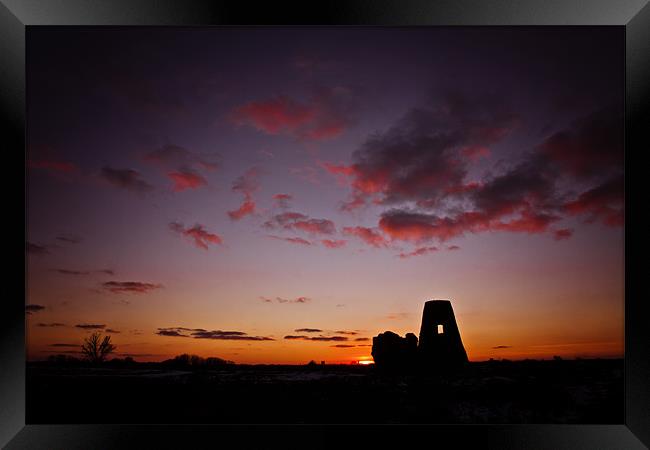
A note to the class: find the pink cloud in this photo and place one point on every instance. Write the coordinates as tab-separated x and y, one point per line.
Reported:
292	240
274	116
282	197
314	226
591	146
368	235
564	233
127	179
604	202
420	227
172	157
246	208
45	158
325	115
418	252
282	200
246	184
57	166
296	221
475	152
186	179
201	237
325	131
329	243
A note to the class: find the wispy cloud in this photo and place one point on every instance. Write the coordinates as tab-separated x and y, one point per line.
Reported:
290	220
282	200
325	115
68	239
171	156
90	326
185	179
316	338
564	233
418	252
83	272
229	336
36	249
292	240
246	184
201	237
52	165
182	166
127	179
370	236
334	243
130	287
286	300
170	332
33	308
200	333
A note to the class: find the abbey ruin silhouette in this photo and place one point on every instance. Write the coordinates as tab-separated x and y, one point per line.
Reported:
439	348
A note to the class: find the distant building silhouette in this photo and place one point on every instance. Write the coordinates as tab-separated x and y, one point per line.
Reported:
439	348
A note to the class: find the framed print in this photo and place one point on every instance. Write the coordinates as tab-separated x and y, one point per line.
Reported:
343	224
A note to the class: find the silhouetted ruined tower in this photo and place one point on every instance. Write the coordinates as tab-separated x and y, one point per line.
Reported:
440	344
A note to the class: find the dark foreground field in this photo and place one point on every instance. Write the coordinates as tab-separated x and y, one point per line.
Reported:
567	391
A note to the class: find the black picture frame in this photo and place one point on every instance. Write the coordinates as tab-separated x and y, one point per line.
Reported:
633	15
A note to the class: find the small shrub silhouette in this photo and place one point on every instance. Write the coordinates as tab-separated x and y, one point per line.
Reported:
96	349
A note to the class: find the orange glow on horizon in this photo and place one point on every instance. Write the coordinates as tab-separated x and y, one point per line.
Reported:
480	341
292	217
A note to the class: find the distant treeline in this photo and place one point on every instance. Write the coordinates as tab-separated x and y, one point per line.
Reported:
195	362
184	361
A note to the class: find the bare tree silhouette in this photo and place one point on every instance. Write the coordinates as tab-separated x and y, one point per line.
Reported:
96	349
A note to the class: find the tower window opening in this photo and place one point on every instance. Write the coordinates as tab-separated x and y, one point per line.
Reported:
440	329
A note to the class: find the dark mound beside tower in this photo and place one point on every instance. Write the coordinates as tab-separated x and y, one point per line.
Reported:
391	351
440	343
440	347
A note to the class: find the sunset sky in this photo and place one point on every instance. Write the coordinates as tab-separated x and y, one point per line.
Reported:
281	195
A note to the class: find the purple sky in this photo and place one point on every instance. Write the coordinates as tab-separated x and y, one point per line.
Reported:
263	181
